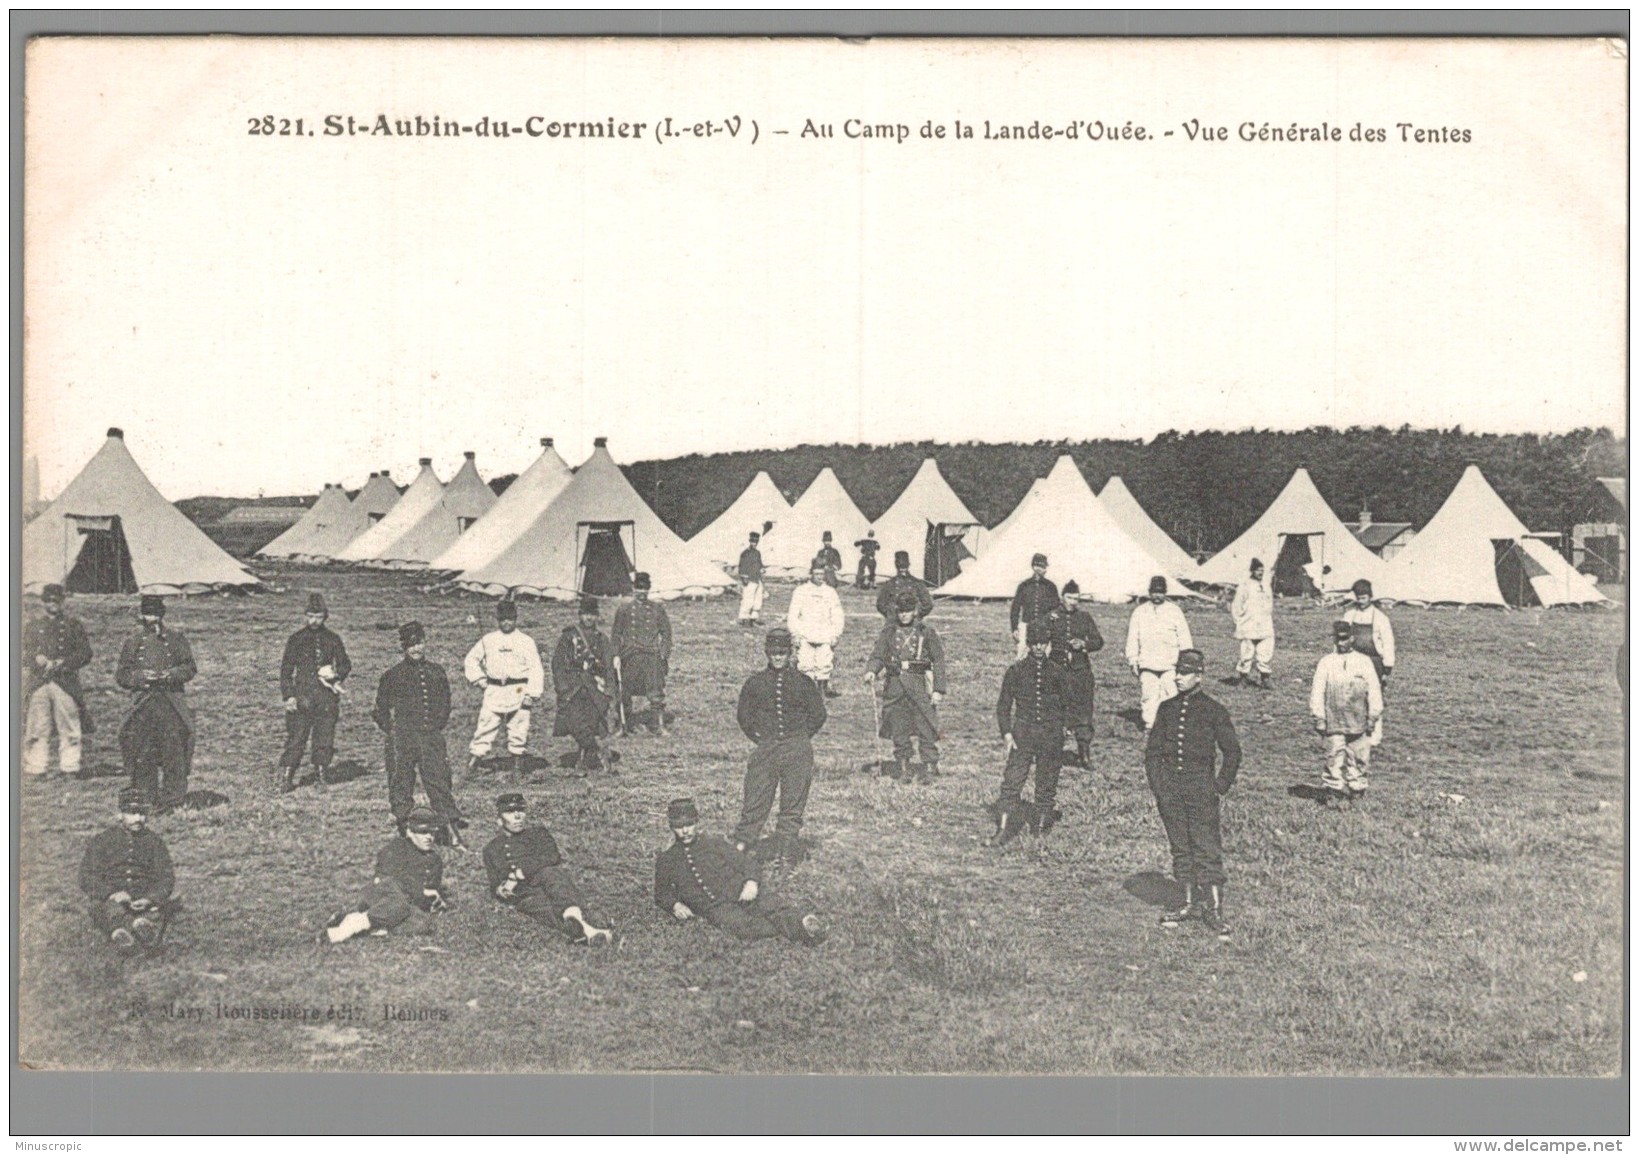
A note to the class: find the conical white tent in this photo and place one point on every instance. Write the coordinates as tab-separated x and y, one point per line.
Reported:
597	519
1298	518
1062	518
927	500
373	503
1458	555
331	509
790	546
724	538
376	500
375	545
996	532
514	511
112	532
1119	502
465	499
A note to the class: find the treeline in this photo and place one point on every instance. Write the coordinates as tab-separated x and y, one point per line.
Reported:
1203	488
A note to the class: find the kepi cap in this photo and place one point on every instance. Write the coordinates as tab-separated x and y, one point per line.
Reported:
1362	587
506	610
778	641
681	812
411	634
1037	632
901	557
1071	589
509	803
135	800
1038	559
589	607
640	581
151	606
315	604
53	593
1341	630
904	602
422	821
1191	662
1158	584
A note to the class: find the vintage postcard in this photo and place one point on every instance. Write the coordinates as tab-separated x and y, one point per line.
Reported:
1097	557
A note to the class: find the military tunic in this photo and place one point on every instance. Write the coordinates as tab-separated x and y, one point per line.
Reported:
1180	761
156	741
1031	709
642	637
581	674
55	701
781	711
706	876
396	898
318	706
546	889
913	659
412	708
1077	661
135	862
829	557
865	576
750	571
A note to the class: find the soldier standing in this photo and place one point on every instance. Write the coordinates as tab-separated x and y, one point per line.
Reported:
750	572
311	674
407	887
1374	637
1254	613
412	709
1180	762
780	710
1347	704
1075	639
865	576
55	650
527	873
815	620
829	558
887	598
642	642
581	673
1030	714
1156	634
705	877
126	873
911	661
156	740
1035	598
506	666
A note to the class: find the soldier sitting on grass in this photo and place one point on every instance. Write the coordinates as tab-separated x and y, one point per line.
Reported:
127	874
527	873
408	885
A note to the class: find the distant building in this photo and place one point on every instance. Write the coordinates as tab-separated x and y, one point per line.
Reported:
1599	543
1384	538
263	515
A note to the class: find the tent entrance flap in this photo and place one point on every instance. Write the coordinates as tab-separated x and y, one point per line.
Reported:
1292	572
1515	571
103	561
607	551
945	549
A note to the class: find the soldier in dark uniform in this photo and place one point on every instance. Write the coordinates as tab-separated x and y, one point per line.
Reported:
1035	598
127	875
1030	713
412	709
407	887
55	650
156	740
527	873
911	660
581	673
780	709
887	598
1075	640
750	572
310	677
642	642
706	877
829	558
865	576
1180	761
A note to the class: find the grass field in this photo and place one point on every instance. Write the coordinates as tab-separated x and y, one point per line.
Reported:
1414	934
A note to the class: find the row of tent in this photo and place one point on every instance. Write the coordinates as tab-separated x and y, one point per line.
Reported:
556	533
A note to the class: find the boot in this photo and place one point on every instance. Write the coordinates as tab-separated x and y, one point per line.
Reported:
902	770
930	771
289	784
1213	916
344	925
1263	681
1084	752
589	935
322	772
825	688
1188	911
1049	818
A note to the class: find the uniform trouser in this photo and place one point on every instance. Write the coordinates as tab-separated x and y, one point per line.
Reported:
815	659
751	601
786	767
489	725
419	752
1348	758
1256	654
1189	811
759	919
1046	751
390	908
643	674
109	915
903	721
551	892
315	716
865	576
51	710
1155	687
154	746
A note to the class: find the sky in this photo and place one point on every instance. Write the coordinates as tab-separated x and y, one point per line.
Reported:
266	313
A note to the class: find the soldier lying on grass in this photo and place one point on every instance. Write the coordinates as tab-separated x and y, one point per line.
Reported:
408	885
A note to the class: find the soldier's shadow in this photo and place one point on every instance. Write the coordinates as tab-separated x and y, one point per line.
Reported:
1132	715
347	770
1153	889
1309	793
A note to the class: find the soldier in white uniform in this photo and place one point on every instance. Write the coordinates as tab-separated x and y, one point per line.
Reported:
1374	637
1156	634
1346	702
815	619
506	666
